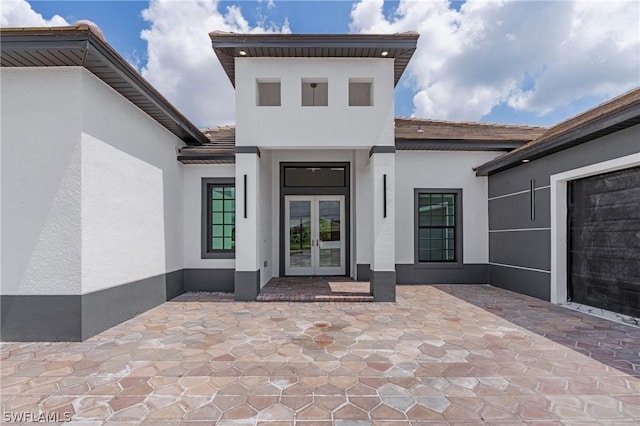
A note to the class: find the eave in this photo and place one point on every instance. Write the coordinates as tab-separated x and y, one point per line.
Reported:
456	145
598	127
80	46
398	47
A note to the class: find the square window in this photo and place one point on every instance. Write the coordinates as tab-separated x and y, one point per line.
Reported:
315	92
268	93
360	92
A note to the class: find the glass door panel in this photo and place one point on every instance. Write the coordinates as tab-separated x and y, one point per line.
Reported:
300	232
315	243
330	235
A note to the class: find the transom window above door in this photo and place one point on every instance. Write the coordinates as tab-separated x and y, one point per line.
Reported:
315	176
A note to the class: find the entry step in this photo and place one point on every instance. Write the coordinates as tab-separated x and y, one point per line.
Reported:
315	289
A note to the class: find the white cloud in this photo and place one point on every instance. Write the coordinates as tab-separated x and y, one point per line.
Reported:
18	13
533	56
181	63
270	3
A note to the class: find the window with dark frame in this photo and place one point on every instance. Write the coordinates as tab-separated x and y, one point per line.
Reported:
437	227
221	212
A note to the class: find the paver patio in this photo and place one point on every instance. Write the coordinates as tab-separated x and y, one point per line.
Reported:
446	354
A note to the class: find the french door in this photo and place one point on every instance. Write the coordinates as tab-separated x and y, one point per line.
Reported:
314	235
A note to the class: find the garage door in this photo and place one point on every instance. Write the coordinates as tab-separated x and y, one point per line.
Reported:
604	241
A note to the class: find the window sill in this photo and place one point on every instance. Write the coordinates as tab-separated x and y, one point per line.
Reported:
219	255
439	265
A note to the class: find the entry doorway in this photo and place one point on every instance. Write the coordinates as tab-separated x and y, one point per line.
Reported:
314	235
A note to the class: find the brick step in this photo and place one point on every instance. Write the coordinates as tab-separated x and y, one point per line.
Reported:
307	298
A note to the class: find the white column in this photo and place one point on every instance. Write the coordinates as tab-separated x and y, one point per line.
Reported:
247	275
383	241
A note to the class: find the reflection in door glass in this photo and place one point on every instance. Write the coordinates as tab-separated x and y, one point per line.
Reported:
329	225
300	234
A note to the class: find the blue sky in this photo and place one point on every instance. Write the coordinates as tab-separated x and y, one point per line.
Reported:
512	62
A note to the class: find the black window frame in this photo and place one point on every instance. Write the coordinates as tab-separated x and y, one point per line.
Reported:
207	252
458	252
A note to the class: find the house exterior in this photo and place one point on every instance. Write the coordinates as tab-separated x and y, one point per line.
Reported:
113	202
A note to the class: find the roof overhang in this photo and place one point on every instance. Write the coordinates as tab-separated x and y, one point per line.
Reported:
596	128
398	47
80	45
456	145
200	158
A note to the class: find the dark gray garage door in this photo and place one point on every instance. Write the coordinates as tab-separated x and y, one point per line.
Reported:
604	241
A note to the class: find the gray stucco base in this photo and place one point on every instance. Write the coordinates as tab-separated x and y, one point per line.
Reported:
531	283
362	271
468	273
211	280
41	318
104	309
247	285
383	285
78	317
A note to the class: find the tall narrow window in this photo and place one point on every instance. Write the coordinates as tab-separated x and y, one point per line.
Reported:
315	92
268	93
219	211
438	226
360	92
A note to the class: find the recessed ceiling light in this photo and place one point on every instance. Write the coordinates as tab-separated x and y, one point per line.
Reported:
525	161
243	53
384	53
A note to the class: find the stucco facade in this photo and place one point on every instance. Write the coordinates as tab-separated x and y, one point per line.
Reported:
113	202
94	207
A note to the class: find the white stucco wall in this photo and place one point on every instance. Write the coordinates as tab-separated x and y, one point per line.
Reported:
443	169
363	195
91	189
131	191
192	206
294	126
41	186
266	214
383	241
248	246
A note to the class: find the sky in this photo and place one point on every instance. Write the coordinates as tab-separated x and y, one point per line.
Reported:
499	61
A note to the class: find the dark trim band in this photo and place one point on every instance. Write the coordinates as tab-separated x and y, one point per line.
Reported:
382	149
247	150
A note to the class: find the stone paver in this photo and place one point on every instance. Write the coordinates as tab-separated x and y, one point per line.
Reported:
440	355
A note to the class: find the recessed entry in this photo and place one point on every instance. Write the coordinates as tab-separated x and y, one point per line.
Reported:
360	92
268	92
315	92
